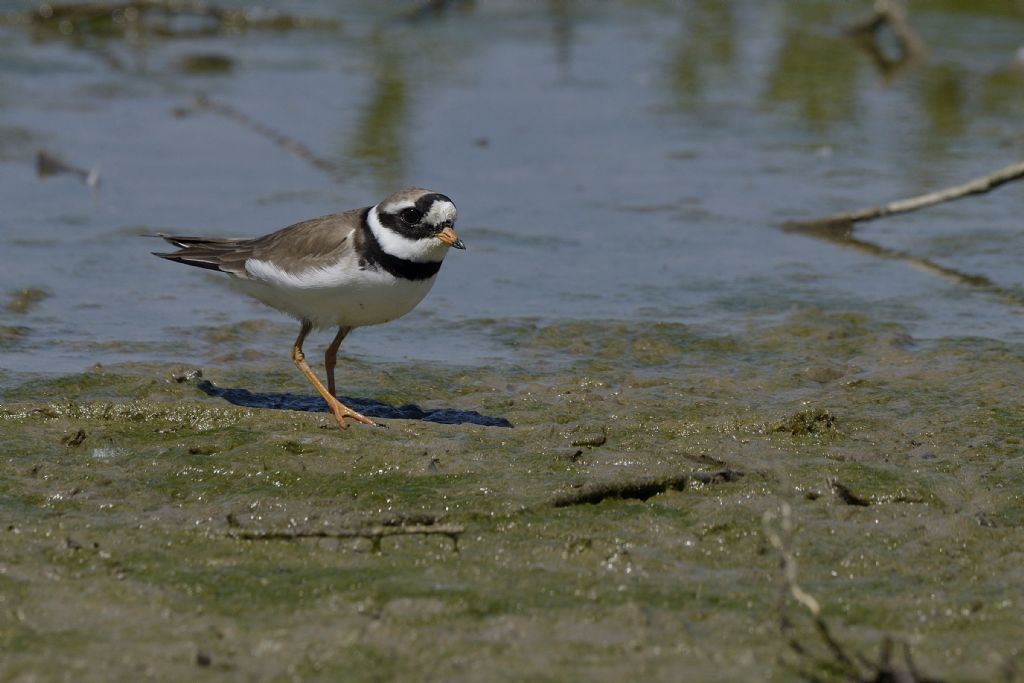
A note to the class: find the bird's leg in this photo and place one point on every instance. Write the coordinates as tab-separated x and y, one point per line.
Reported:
339	410
331	357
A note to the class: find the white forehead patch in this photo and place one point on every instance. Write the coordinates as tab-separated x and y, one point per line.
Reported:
440	212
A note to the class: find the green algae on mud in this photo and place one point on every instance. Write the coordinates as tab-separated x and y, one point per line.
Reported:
120	487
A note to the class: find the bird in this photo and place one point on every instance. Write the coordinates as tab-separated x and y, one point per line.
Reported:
361	267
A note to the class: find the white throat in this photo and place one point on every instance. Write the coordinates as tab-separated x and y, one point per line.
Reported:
423	250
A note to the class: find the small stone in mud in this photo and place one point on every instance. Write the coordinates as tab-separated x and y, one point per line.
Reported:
590	440
296	447
188	376
75	439
985	521
704	459
571	455
578	544
844	494
823	374
805	422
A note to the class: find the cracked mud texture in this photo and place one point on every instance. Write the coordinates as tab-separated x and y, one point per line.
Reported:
121	488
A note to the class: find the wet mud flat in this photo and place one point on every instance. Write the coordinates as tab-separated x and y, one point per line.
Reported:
154	529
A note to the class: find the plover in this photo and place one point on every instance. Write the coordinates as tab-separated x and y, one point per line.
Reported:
346	270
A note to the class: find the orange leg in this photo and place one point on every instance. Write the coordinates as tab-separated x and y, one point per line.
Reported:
331	357
340	410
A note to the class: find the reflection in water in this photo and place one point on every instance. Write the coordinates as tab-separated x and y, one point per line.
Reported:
817	73
561	18
379	142
97	27
433	9
941	102
1002	91
843	236
707	42
887	39
943	97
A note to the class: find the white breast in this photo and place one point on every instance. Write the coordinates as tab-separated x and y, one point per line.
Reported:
340	295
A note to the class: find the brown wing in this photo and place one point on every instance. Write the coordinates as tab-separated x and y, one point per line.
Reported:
314	243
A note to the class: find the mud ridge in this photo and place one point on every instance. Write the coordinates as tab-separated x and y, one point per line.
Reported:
640	489
375	534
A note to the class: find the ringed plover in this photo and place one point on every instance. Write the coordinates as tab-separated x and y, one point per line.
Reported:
346	270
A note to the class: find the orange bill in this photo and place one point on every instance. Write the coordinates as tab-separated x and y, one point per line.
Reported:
449	237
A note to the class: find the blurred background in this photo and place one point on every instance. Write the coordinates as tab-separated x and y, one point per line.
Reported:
610	160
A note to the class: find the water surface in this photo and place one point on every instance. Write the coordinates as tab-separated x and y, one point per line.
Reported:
623	161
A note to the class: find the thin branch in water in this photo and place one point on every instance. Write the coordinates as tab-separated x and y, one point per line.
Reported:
289	145
981	185
838	229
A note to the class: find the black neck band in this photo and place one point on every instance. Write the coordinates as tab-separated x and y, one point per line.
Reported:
399	267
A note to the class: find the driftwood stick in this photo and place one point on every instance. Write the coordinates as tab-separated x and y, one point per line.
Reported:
981	185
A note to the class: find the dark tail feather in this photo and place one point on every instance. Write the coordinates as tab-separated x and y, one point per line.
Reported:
184	242
190	261
225	255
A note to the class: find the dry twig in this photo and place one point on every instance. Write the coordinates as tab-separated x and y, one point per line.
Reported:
841	664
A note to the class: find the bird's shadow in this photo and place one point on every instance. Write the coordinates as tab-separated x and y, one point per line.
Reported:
366	406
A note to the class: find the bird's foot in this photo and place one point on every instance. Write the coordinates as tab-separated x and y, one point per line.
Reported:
341	411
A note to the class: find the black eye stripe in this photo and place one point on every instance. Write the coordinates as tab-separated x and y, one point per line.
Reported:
411	226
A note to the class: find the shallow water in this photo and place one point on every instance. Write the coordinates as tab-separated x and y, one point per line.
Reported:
609	161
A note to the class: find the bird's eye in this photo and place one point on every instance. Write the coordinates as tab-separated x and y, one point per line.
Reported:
411	216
